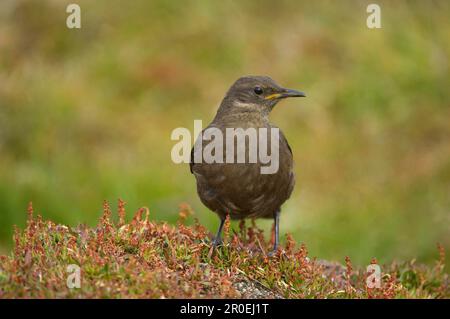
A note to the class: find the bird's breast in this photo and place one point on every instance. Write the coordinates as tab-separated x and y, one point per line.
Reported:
242	189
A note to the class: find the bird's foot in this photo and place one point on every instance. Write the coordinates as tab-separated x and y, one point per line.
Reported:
216	241
273	252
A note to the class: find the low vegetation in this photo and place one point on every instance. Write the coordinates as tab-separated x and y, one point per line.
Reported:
145	259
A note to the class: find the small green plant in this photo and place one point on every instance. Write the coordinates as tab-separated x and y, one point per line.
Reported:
145	259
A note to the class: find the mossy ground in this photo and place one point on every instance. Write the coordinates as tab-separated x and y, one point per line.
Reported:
144	259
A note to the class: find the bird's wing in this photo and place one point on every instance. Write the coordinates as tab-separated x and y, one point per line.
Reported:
191	162
283	138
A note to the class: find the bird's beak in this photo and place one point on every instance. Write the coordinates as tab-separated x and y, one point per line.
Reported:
285	93
292	93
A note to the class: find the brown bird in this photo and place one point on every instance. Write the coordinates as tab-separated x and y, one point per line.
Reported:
237	189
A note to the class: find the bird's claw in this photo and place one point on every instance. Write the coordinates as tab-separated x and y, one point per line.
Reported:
273	252
216	241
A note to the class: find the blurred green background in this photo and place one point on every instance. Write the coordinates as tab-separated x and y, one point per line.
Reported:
86	114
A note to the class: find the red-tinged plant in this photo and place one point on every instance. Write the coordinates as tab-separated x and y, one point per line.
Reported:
144	259
348	275
185	212
121	212
226	228
441	260
290	244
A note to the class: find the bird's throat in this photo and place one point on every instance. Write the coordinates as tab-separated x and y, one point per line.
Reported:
244	114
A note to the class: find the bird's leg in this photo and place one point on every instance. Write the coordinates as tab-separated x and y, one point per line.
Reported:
217	240
276	220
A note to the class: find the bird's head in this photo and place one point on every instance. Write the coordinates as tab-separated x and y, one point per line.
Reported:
256	93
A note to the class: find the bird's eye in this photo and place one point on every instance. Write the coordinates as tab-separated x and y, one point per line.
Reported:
258	90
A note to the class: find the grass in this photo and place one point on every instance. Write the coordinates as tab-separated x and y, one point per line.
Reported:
146	259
